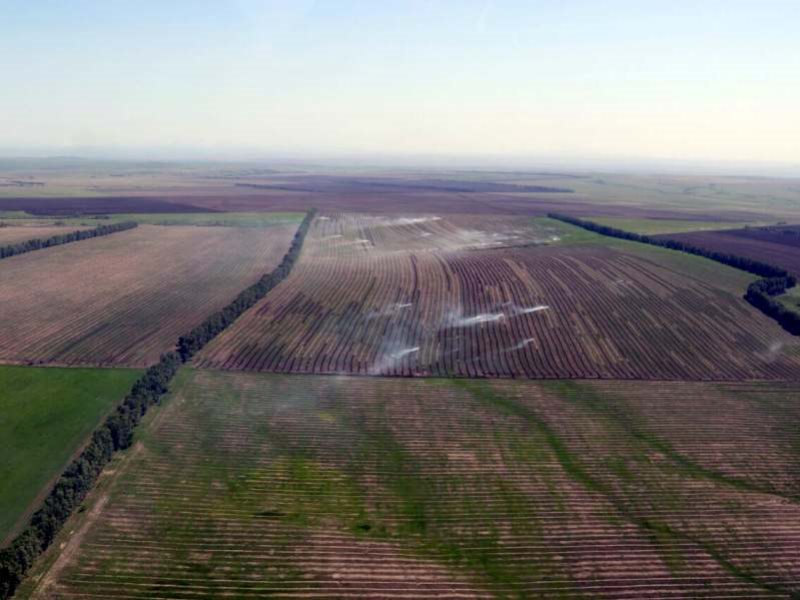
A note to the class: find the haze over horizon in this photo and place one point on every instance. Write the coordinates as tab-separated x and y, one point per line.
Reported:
693	81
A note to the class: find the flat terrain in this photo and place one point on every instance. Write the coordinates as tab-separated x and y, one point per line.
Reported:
14	234
247	485
768	245
494	296
74	186
45	415
660	226
218	219
71	206
569	415
126	298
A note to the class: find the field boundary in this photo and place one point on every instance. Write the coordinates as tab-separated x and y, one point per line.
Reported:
116	432
64	238
775	280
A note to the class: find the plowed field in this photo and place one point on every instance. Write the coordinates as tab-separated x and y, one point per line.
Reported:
494	297
13	235
769	245
125	299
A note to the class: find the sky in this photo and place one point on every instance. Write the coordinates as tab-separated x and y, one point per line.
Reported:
612	79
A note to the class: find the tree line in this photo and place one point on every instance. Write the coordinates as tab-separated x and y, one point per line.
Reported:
64	238
760	294
116	432
191	343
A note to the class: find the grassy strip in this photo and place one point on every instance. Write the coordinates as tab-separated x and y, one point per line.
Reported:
116	433
760	294
64	238
666	226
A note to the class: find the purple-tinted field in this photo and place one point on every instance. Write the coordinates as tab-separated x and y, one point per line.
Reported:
769	245
14	234
124	299
90	205
477	297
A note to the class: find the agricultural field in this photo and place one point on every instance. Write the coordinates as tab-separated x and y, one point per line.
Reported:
480	296
791	299
14	234
125	299
251	485
86	187
45	416
21	220
203	219
661	226
69	207
779	246
444	394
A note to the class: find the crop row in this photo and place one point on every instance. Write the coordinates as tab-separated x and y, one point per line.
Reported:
776	279
116	432
63	238
125	299
250	484
359	302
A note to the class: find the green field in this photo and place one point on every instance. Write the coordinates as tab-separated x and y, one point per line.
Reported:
45	414
248	485
659	226
14	214
791	299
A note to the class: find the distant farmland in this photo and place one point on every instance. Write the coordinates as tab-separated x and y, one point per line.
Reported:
125	299
248	485
492	296
774	245
12	235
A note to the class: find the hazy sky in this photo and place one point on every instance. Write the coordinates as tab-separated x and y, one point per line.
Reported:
699	79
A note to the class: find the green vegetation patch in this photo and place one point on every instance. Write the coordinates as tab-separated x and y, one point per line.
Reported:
45	415
791	299
662	226
15	214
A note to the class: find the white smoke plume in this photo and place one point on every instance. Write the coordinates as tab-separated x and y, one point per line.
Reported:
409	221
523	344
514	310
526	310
390	311
457	319
391	359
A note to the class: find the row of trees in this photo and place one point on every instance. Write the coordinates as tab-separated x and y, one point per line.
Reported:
190	344
760	293
63	238
738	262
116	433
